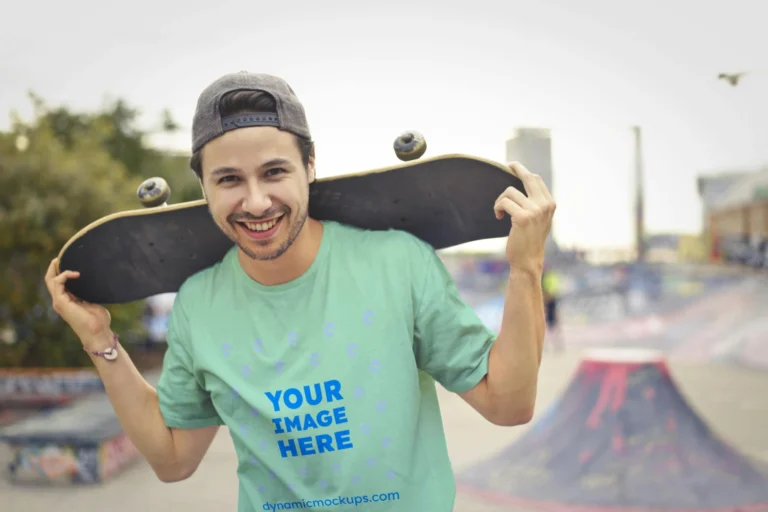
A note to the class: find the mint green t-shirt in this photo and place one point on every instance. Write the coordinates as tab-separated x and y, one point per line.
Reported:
327	383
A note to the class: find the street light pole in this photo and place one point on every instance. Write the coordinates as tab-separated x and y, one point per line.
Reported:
639	196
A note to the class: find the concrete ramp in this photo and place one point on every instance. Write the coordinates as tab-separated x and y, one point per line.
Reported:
621	437
82	443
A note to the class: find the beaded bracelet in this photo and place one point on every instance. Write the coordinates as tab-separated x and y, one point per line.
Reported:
110	354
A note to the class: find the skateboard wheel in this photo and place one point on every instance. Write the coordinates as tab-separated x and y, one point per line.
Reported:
410	146
153	192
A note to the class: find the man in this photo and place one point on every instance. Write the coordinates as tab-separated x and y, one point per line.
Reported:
315	343
550	284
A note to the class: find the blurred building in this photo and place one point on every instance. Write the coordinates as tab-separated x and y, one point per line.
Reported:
675	248
735	210
533	148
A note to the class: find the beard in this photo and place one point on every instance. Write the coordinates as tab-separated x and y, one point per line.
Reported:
293	226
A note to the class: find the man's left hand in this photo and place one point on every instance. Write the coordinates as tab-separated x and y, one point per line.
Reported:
531	219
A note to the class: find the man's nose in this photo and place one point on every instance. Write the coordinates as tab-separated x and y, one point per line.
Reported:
256	200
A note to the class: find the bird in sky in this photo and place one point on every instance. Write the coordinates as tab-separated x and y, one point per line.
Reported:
731	78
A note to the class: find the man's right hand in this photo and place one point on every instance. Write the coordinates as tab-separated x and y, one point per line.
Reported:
91	322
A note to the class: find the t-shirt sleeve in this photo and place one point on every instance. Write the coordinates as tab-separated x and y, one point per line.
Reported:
184	403
452	344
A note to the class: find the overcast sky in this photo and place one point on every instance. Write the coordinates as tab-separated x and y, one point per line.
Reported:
464	73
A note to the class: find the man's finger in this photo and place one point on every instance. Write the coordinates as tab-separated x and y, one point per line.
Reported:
544	189
506	205
60	280
518	197
527	177
50	275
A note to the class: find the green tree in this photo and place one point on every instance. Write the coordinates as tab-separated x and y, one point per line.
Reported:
58	173
116	128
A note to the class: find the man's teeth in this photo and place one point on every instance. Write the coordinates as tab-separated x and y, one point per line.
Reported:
261	226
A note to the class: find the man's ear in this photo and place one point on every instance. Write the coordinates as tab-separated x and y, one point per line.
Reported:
311	166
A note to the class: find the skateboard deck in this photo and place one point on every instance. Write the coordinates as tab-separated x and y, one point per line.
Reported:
131	255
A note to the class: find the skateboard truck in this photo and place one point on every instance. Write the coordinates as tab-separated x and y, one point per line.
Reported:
410	145
154	192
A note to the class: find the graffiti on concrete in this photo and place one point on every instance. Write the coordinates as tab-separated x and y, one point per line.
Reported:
49	384
55	463
116	454
72	463
80	443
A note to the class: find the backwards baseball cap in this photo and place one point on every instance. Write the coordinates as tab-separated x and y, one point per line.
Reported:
208	123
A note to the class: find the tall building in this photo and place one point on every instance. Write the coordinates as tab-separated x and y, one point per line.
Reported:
532	147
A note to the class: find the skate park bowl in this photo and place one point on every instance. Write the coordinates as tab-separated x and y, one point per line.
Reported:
82	443
621	437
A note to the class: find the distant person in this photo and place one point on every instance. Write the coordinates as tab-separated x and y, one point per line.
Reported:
550	287
316	343
157	314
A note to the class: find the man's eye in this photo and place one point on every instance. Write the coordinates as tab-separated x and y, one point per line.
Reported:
226	179
275	171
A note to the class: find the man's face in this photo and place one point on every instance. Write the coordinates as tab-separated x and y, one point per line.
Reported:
257	189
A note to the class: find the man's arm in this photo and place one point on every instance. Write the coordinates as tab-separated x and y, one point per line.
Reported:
507	393
174	454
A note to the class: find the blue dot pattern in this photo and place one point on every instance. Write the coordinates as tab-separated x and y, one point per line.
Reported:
352	350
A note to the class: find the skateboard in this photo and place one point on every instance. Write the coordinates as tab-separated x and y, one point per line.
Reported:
131	255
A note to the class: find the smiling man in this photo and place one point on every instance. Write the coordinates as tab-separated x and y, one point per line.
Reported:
318	344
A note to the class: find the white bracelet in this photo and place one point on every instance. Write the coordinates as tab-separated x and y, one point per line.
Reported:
110	354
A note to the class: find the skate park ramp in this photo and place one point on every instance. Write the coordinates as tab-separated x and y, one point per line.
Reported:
621	437
695	314
80	443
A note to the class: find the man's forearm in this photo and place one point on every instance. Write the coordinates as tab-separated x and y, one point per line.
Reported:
513	366
136	405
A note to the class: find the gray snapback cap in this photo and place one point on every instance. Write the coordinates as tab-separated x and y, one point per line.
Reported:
208	124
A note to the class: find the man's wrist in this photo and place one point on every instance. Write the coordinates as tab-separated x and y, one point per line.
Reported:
517	272
100	343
